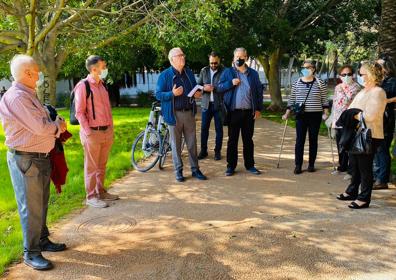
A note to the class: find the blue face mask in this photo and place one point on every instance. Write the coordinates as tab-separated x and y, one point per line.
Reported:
306	72
360	80
41	79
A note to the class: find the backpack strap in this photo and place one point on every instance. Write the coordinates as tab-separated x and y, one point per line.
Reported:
90	94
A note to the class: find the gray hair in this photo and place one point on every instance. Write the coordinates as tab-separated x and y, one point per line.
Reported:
92	60
20	63
240	50
172	51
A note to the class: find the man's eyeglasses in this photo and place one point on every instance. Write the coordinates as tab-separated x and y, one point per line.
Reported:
214	63
346	74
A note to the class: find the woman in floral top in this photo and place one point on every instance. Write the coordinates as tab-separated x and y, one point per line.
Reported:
344	94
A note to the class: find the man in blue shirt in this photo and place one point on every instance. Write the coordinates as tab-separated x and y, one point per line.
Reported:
243	98
173	86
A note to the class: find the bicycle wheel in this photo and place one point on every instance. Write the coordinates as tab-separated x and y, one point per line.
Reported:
145	150
166	148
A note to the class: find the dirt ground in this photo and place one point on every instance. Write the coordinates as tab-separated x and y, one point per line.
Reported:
273	226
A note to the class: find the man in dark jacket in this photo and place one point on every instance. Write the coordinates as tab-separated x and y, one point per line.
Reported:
211	104
173	87
243	99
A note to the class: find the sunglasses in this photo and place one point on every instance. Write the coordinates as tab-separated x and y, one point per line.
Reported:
346	74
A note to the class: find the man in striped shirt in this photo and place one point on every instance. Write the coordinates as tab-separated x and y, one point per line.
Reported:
30	136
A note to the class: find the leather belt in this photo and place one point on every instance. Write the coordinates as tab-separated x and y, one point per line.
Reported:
102	128
183	110
34	154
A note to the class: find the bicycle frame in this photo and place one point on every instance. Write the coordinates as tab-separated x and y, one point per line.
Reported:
151	122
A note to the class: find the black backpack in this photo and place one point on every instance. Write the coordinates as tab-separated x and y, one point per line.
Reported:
73	119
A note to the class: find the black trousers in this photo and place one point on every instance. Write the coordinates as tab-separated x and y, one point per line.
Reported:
343	157
310	122
362	174
240	121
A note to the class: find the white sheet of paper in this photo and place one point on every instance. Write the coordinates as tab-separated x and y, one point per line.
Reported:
194	90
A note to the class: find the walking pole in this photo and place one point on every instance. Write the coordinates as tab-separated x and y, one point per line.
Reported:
281	147
331	146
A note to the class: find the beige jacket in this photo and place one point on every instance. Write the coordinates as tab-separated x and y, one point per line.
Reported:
372	103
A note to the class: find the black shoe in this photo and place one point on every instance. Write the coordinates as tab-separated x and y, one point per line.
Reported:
48	245
179	176
354	205
254	170
198	174
202	155
311	169
217	156
37	261
230	171
297	170
343	197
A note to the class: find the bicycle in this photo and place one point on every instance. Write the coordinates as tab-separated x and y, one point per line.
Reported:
152	145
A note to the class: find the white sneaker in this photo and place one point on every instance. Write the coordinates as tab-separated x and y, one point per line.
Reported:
97	203
108	196
347	177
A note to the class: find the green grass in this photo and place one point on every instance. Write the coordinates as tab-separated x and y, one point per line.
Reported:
128	123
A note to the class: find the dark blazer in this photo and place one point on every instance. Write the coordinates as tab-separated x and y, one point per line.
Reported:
225	86
204	78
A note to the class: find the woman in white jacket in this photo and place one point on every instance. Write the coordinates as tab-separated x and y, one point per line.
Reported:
372	101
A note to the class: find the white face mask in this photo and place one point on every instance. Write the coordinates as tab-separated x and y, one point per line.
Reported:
40	81
360	80
347	80
104	73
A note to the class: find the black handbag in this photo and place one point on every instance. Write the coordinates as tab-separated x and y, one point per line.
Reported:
363	142
299	108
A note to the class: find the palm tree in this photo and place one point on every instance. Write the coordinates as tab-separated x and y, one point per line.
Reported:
387	40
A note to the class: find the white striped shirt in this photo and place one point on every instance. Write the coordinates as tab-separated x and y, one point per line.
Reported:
317	99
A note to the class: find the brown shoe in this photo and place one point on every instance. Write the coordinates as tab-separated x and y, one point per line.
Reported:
380	186
108	196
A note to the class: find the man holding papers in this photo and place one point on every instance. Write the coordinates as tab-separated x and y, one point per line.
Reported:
177	92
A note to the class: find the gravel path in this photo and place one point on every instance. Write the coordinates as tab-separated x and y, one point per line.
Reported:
273	226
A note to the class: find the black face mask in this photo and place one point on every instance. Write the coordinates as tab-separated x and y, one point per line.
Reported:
240	62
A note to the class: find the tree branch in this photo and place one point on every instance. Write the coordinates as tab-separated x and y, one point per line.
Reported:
315	16
32	27
6	9
53	22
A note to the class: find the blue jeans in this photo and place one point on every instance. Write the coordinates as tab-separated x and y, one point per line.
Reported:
382	161
30	176
207	115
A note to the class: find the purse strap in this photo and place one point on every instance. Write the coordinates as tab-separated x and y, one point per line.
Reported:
309	91
362	122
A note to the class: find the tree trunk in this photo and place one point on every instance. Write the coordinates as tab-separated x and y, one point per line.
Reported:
44	55
290	74
387	40
274	80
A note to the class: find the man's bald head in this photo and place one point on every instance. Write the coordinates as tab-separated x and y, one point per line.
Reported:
22	67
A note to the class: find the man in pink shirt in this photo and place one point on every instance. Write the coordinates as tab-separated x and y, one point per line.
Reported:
96	132
30	136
